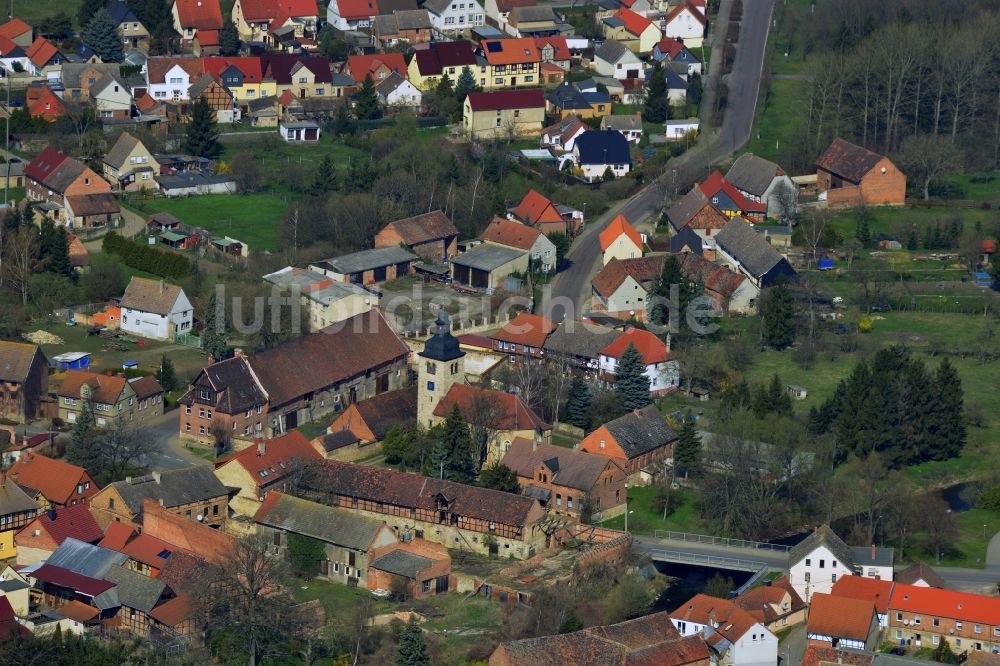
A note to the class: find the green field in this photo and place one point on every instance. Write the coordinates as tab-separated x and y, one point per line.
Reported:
896	220
644	518
779	129
254	219
34	11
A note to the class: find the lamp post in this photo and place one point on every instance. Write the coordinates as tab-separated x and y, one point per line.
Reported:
626	508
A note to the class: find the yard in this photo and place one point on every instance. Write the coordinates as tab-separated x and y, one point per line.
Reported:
34	11
645	518
254	219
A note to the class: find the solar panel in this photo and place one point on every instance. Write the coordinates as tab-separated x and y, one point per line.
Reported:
494	47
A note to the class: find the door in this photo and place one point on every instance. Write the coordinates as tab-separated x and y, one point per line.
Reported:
291	420
302	92
513	81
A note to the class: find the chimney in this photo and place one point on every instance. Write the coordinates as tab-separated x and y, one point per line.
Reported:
51	513
637	412
156	477
534	440
261	447
161	502
161	281
873	552
238	352
128	480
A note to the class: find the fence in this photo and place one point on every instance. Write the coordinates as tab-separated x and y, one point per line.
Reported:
936	202
732	563
720	541
188	340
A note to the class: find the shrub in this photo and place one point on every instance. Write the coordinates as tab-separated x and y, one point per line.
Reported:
990	499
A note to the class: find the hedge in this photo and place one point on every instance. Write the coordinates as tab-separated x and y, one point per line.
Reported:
146	257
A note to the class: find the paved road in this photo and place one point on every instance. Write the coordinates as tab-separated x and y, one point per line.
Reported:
568	295
171	454
773	559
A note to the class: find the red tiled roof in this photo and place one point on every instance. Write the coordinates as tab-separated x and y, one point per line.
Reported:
44	103
147	549
816	655
653	349
962	606
55	479
560	49
732	620
511	233
14	28
45	164
41	51
526	328
250	66
65	578
840	617
535	208
262	10
105	389
510	51
865	589
641	269
512	414
634	23
717	182
670	46
201	540
847	160
619	226
74	521
208	37
79	611
277	458
530	98
353	10
199	14
173	611
989	246
361	65
116	536
432	61
157	67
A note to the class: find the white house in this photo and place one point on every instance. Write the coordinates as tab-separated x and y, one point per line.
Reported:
449	16
686	23
169	84
396	92
629	125
351	14
763	181
302	130
731	633
112	98
663	372
563	134
155	309
513	234
601	152
821	558
615	60
13	58
679	130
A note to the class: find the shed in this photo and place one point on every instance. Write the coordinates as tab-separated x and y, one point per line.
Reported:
487	266
71	361
797	392
983	279
302	130
824	264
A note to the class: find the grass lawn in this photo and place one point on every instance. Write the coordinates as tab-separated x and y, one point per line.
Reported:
33	11
977	186
271	153
254	219
896	221
646	519
337	599
779	127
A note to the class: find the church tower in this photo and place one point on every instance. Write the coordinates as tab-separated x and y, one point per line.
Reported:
441	365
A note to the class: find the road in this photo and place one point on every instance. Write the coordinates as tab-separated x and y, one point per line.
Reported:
171	453
773	559
568	294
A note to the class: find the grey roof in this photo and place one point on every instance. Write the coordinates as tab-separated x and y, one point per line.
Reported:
120	151
407	19
641	431
402	563
674	82
442	346
578	339
14	585
366	260
63	175
72	72
740	241
532	14
15	500
342	80
389	84
134	589
567	96
822	536
863	556
611	51
622	123
340	527
569	467
338	440
191	179
308	282
885	659
540	494
174	488
752	174
594	81
487	257
681	212
437	6
85	559
16	360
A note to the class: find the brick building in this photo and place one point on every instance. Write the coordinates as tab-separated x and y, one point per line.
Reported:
51	482
431	235
370	420
193	492
924	616
638	441
24	381
523	337
851	176
39	538
423	567
53	177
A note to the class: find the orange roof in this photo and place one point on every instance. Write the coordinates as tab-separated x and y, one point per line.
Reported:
962	606
249	66
822	655
259	10
14	28
353	10
840	617
512	414
79	611
732	620
149	550
44	103
989	246
716	182
865	589
116	536
277	458
199	14
560	49
511	234
361	65
535	208
619	226
653	349
208	37
196	538
54	479
173	611
41	51
510	51
526	329
104	389
634	23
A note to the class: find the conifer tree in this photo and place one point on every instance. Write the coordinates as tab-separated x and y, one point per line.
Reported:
101	35
578	404
366	106
671	274
202	132
229	39
454	449
657	106
54	246
631	382
949	415
165	375
466	83
412	646
325	178
214	334
687	451
499	477
342	121
777	316
79	436
87	10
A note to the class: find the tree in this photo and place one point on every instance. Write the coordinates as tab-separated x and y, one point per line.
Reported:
777	312
663	494
453	453
671	275
719	586
112	452
54	246
630	598
948	415
694	90
88	9
366	104
578	405
562	243
631	381
246	171
465	84
105	278
165	374
20	257
79	437
305	553
101	35
499	477
925	157
343	124
657	105
202	137
325	178
215	331
229	39
412	646
687	451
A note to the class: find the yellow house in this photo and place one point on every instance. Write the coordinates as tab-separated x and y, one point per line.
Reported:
17	509
443	59
129	165
633	30
509	63
242	76
620	240
255	20
17	590
507	113
323	300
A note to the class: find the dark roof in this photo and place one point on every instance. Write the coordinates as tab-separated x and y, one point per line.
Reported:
847	160
610	51
135	590
920	571
686	237
863	556
433	60
56	575
753	174
423	228
821	536
279	67
602	147
237	387
388	409
570	468
579	339
120	12
641	431
74	521
338	440
402	563
567	96
14	500
65	174
749	248
340	527
16	360
173	488
367	260
442	346
145	386
529	98
488	257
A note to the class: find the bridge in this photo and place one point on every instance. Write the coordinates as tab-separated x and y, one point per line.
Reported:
712	551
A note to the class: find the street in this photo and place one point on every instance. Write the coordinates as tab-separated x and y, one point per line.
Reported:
171	452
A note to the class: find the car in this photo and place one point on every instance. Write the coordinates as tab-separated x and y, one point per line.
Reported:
381	593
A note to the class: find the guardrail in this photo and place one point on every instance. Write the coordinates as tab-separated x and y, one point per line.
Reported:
720	541
750	582
706	560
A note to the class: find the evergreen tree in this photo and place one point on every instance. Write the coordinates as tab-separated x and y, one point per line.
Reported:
777	315
343	124
671	274
325	178
79	436
657	106
366	105
215	333
88	9
466	84
499	477
54	246
911	240
412	646
101	35
165	375
948	412
687	451
578	404
444	87
694	89
229	39
202	132
863	232
631	382
456	449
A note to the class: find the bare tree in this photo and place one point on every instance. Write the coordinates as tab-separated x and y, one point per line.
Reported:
21	256
483	421
926	157
813	229
786	201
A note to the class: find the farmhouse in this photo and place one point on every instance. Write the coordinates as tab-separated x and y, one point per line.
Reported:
850	175
638	441
368	267
24	380
155	309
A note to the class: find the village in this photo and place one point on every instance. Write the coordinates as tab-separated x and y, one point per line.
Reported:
508	332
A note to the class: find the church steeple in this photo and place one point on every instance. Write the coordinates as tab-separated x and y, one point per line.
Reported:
441	366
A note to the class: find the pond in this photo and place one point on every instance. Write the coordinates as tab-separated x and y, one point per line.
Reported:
962	496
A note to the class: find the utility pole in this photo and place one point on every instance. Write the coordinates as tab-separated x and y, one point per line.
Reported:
6	182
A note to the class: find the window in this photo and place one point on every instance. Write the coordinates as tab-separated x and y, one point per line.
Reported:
209	415
425	586
958	626
935	639
833	578
319	91
977	628
303	79
201	430
431	368
569	502
111	503
204	395
899	617
430	386
187	427
936	622
822	564
916	620
602	446
558	499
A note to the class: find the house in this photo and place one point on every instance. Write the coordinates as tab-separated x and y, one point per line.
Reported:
671	50
554	50
192	492
154	309
578	344
634	31
815	655
686	241
440	59
775	604
219	98
351	14
614	87
533	21
499	11
76	571
849	175
15	590
488	266
763	181
681	130
78	78
194	538
620	240
52	482
638	441
323	300
560	136
842	622
733	635
298	131
368	267
395	92
378	66
870	590
44	56
89	211
268	466
694	211
729	200
193	16
129	165
629	125
132	32
369	421
169	79
432	236
920	575
663	373
729	291
924	616
305	378
499	114
651	639
421	567
564	480
43	103
509	63
538	211
614	59
37	540
821	558
347	537
17	510
600	153
412	26
17	31
749	253
523	337
53	177
148	396
568	100
257	20
305	77
449	17
243	76
621	288
109	396
24	381
441	511
685	22
513	234
13	58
